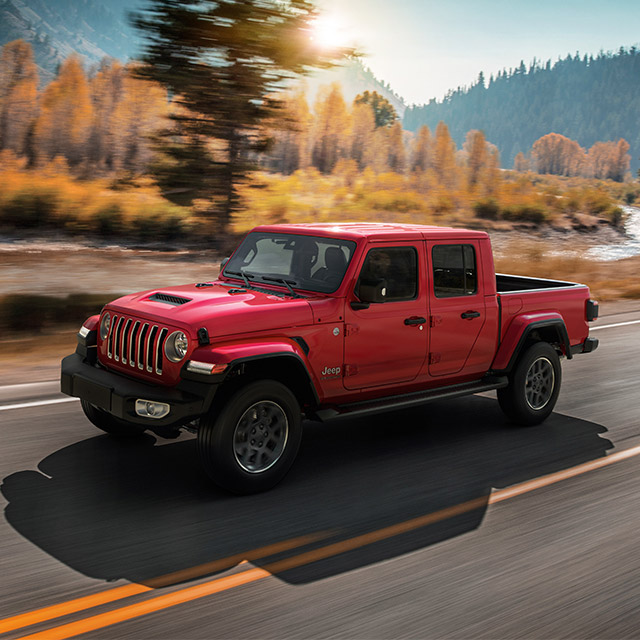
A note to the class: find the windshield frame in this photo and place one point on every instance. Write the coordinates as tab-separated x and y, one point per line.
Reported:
309	258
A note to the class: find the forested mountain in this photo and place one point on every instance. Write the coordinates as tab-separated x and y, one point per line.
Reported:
57	28
587	99
99	28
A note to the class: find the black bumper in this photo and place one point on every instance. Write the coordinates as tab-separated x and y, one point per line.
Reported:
118	394
589	345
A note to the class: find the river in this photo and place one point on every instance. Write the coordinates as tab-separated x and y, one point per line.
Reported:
630	246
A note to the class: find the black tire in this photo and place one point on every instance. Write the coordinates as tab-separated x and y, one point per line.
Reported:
110	424
242	464
534	385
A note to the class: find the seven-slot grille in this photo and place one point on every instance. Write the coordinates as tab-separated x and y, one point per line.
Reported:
136	343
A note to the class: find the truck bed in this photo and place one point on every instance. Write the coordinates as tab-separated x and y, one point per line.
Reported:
521	295
506	283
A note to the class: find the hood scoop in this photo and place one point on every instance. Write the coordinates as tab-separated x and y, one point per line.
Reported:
175	301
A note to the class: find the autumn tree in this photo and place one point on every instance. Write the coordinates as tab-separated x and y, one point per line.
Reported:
558	155
476	154
139	114
18	95
332	124
223	62
397	154
385	114
521	163
362	131
106	94
444	150
66	114
290	133
609	160
421	151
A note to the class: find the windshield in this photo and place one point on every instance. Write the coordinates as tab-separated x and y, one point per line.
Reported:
303	262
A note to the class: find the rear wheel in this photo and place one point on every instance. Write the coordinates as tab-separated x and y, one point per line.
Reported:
534	385
251	443
110	424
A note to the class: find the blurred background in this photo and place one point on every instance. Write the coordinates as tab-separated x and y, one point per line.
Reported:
138	142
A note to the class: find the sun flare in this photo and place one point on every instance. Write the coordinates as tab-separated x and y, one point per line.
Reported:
330	32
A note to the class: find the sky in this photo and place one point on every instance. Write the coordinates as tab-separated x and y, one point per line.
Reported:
423	48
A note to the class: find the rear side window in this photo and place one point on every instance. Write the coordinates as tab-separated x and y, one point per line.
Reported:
394	269
454	270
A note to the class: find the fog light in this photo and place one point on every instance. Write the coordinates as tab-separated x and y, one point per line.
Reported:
150	409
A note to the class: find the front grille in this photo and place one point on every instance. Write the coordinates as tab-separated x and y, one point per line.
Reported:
136	344
165	297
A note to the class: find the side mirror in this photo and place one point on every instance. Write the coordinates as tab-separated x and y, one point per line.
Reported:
223	264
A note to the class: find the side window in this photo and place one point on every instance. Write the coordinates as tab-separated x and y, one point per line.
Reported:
393	271
454	270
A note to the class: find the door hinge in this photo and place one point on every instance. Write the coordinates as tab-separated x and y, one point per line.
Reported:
434	321
351	329
434	358
350	370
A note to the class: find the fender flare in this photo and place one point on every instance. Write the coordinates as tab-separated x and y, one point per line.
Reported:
237	354
519	332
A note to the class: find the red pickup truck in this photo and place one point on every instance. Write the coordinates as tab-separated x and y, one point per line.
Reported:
324	321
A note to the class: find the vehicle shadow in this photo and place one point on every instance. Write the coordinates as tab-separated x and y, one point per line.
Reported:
138	510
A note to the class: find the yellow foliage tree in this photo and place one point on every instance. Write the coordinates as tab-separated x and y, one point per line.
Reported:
106	94
558	155
421	152
476	155
18	96
290	132
363	120
332	128
397	156
66	113
444	156
141	112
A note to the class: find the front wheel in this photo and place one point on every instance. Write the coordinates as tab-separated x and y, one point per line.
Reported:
534	385
110	424
250	445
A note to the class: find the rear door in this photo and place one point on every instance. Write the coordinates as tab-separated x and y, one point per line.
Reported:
457	304
386	343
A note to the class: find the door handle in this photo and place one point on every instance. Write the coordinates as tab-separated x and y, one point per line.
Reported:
414	320
469	315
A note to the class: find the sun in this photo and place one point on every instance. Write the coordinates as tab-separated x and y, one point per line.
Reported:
330	32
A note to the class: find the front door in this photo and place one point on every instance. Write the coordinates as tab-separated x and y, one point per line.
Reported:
386	341
457	305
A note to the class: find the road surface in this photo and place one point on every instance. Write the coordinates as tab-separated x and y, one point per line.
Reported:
437	522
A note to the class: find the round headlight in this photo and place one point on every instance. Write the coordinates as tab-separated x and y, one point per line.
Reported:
176	346
105	325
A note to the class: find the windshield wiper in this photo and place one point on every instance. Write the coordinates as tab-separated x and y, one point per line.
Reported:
244	275
286	283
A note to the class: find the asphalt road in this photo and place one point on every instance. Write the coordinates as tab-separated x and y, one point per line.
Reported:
438	522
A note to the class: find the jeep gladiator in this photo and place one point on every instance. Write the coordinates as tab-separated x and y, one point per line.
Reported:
322	321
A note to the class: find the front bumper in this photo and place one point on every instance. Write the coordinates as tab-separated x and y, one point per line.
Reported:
117	394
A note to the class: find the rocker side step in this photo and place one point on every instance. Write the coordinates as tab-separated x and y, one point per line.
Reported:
389	403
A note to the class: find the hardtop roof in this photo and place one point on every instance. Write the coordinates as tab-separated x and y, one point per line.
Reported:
371	230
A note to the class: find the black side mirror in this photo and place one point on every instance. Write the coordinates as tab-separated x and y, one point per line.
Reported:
223	264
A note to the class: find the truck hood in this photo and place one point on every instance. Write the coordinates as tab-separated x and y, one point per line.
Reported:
224	310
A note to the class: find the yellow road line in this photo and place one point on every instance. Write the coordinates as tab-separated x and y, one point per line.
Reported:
149	606
118	593
252	575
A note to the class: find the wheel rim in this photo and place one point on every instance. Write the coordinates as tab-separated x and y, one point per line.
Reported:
540	382
260	436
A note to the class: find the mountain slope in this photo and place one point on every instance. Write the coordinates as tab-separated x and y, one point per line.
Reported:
56	28
586	99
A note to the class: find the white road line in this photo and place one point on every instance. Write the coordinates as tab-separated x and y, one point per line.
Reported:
26	386
617	324
41	403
